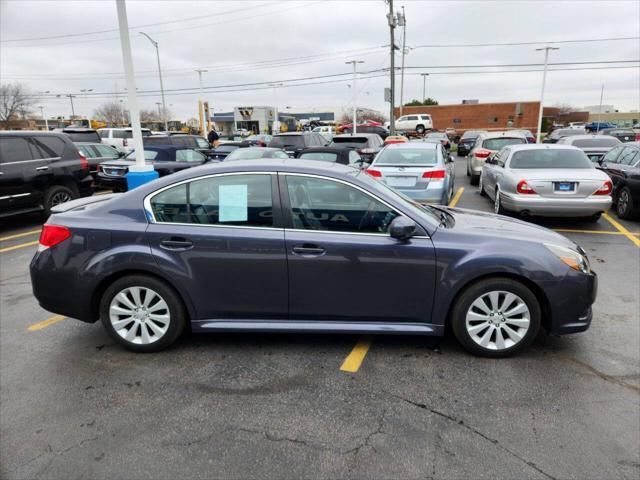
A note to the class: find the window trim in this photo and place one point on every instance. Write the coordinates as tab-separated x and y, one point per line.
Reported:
151	219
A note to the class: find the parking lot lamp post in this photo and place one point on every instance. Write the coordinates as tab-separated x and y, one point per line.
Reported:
164	110
391	19
424	87
200	105
402	22
600	109
276	122
355	95
140	173
544	80
46	122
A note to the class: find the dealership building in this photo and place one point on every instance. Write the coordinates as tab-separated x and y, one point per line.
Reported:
260	119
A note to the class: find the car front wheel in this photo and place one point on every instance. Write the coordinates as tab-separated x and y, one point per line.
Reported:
143	314
624	206
496	317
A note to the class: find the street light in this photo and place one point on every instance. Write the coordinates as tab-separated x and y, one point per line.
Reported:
164	110
276	122
424	87
200	109
355	94
544	80
46	122
402	22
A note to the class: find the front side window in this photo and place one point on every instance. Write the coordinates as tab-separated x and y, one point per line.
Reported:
612	155
202	143
148	155
188	155
327	205
106	151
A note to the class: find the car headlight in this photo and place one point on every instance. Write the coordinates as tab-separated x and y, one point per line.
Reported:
572	258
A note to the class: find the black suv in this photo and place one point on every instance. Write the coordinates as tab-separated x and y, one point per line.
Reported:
39	170
195	142
295	142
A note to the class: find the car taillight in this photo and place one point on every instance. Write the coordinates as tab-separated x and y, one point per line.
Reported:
524	188
482	153
637	137
261	143
605	189
52	235
374	173
433	174
84	162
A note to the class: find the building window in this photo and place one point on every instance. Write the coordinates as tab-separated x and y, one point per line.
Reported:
457	120
493	119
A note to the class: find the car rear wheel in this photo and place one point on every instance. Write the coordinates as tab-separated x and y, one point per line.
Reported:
420	129
496	317
143	314
624	205
56	195
481	187
474	179
497	204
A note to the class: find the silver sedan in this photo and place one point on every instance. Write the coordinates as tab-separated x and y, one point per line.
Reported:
545	180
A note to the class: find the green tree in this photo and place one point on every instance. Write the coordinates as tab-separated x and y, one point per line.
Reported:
418	103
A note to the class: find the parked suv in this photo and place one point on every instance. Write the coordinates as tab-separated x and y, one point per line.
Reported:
39	170
293	143
194	142
120	138
418	123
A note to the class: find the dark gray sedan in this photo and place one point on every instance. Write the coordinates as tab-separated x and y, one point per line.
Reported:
300	246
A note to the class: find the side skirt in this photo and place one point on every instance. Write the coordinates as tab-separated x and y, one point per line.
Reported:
305	326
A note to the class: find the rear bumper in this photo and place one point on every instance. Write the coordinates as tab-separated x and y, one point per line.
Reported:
571	310
104	181
476	165
427	195
555	207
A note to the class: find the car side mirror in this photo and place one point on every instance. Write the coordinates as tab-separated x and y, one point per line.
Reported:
402	228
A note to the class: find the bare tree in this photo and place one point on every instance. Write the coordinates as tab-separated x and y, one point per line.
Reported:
363	115
149	115
564	108
15	103
112	113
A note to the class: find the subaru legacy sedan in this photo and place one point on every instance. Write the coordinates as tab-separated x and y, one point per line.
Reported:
304	246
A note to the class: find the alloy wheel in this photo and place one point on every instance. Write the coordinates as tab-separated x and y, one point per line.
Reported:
623	203
139	315
496	203
60	197
498	320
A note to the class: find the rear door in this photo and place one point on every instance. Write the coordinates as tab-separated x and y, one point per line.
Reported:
220	238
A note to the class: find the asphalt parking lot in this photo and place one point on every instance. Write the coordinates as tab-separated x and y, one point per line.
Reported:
75	405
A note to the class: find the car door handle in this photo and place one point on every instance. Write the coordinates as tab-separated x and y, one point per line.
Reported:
176	243
41	169
308	249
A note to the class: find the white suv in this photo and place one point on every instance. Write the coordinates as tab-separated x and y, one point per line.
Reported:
418	123
120	138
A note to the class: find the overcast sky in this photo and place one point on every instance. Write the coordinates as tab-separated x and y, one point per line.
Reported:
245	42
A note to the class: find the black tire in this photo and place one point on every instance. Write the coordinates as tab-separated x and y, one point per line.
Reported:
624	205
481	187
55	193
420	129
177	312
474	179
501	210
595	217
476	290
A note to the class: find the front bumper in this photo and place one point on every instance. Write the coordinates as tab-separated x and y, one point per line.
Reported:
571	306
555	207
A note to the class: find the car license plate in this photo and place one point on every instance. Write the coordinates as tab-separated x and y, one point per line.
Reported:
401	181
565	186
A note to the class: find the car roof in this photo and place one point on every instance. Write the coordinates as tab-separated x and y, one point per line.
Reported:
74	129
290	134
335	149
413	145
364	135
541	146
573	138
507	134
168	148
30	133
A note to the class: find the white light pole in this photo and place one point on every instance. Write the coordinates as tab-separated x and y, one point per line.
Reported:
424	87
200	106
46	122
544	80
276	122
600	109
164	110
402	22
355	95
140	172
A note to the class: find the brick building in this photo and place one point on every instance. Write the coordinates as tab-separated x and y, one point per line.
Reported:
480	116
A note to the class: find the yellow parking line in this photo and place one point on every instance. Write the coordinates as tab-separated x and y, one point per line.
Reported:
356	357
18	235
46	323
104	192
456	197
16	247
621	229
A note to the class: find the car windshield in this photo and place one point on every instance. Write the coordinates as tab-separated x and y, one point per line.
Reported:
158	140
321	156
148	155
500	143
436	135
407	156
470	135
549	158
287	141
596	142
567	132
84	136
246	154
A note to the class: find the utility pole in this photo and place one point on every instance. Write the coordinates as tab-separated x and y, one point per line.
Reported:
424	87
71	96
164	109
355	95
46	122
200	106
544	80
159	111
276	123
84	91
402	22
139	173
392	71
600	109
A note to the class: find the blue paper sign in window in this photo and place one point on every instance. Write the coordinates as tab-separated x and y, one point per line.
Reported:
233	203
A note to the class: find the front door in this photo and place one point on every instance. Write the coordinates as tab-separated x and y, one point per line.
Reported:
343	265
216	236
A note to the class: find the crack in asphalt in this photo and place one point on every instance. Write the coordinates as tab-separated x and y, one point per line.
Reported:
53	454
616	380
473	430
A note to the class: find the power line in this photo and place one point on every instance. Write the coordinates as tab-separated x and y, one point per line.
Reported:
509	44
523	64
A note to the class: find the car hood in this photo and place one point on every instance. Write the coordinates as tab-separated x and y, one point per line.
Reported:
481	223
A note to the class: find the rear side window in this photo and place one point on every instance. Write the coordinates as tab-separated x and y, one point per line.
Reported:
103	133
50	147
629	156
87	151
612	155
14	149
